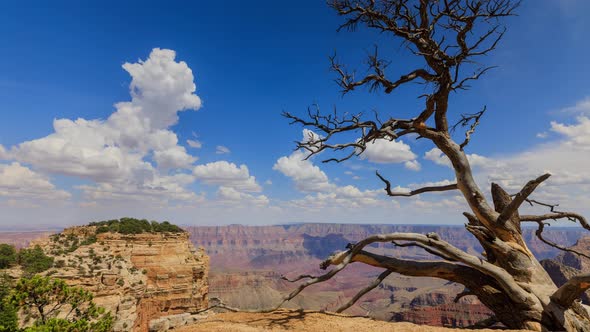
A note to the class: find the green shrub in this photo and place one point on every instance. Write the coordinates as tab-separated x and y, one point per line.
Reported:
34	260
89	240
134	226
7	255
41	295
8	317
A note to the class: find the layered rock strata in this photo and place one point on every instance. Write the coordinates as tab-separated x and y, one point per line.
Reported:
139	278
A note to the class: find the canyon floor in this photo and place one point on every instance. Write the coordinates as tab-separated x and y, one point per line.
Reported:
303	321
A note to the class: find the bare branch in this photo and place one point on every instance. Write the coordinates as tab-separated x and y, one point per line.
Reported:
539	234
426	248
416	191
504	279
467	119
365	290
299	277
521	197
571	216
377	78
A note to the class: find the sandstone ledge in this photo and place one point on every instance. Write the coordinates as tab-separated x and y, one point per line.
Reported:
305	321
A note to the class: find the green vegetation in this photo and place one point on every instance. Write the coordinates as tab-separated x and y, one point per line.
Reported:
43	299
7	255
8	318
134	226
34	260
89	240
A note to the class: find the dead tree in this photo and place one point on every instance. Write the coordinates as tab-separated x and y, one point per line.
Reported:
449	36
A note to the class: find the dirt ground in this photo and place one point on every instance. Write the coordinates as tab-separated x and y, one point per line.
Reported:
303	321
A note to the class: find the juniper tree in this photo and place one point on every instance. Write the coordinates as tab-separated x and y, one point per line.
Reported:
449	37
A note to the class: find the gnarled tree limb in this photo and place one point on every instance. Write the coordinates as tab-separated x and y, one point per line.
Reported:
571	290
365	290
415	191
521	197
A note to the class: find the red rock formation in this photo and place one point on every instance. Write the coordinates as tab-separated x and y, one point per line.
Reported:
138	278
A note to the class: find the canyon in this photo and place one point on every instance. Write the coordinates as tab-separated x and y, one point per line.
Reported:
247	263
158	281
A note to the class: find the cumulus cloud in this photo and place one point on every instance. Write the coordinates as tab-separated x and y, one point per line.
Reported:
576	134
306	176
161	87
220	149
160	189
388	152
435	155
132	150
174	157
566	158
18	181
228	175
309	178
232	196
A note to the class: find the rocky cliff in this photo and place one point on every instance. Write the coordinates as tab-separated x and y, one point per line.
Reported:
569	264
140	278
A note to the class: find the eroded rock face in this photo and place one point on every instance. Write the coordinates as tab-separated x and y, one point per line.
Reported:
568	264
138	278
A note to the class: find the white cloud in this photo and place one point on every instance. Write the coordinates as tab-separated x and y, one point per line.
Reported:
435	155
307	176
220	149
114	153
413	165
581	107
174	157
566	158
193	143
17	181
232	196
3	153
576	134
161	87
227	174
163	189
341	198
388	152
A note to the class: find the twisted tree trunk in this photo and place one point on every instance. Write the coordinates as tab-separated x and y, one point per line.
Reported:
508	279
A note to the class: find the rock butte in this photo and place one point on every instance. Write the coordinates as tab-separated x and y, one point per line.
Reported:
148	281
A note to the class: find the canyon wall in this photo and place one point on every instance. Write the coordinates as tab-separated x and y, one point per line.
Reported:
139	278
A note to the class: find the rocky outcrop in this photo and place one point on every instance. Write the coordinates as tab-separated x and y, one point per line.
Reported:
569	264
448	315
139	278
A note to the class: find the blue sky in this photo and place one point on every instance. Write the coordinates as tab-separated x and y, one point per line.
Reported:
251	61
